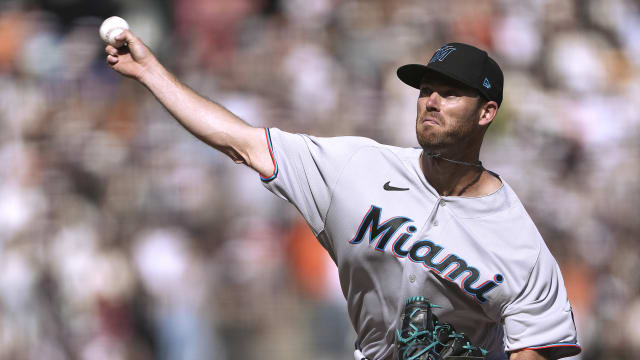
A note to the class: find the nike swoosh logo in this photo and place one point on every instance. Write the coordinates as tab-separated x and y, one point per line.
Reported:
393	188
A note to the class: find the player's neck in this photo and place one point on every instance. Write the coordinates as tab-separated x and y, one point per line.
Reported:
456	179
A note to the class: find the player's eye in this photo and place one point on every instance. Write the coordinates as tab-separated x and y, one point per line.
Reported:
425	91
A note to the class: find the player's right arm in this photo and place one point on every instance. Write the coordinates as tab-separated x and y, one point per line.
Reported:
208	121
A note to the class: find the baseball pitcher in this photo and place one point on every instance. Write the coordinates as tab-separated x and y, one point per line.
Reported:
437	256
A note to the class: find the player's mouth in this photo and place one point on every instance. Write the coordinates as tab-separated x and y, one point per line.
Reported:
428	120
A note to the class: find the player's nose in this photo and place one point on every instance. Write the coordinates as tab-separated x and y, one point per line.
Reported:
432	101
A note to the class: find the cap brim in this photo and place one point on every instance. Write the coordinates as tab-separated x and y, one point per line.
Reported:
412	74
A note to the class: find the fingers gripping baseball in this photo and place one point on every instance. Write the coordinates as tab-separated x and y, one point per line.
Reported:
131	60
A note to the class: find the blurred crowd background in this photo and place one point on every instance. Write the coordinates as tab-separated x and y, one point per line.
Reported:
123	237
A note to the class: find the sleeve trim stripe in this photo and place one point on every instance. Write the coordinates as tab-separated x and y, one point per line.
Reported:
554	345
273	159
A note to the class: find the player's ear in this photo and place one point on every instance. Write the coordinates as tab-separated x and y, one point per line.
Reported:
488	112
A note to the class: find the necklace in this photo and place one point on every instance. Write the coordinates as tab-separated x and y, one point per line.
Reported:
477	164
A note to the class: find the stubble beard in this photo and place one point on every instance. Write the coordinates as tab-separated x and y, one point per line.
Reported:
441	139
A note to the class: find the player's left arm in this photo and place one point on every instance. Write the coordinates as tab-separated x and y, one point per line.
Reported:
527	355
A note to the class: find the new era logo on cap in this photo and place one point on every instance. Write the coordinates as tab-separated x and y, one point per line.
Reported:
486	83
442	53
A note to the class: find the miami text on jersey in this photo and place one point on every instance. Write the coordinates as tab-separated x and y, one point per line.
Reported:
422	251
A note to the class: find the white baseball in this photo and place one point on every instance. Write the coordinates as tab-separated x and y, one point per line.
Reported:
112	27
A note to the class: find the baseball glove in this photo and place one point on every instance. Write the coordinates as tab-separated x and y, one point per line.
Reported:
423	337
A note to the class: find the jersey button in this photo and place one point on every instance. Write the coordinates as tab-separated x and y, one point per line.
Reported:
442	202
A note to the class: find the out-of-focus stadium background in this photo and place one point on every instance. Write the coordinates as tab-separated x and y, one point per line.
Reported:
123	237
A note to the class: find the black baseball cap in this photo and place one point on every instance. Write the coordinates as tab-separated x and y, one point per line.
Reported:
461	62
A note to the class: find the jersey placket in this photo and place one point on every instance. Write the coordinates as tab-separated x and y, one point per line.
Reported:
435	220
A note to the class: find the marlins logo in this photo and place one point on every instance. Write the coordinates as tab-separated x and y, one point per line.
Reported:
442	53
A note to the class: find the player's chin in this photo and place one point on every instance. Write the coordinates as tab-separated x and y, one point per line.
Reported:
428	132
428	141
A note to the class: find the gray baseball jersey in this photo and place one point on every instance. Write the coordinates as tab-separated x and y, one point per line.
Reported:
393	236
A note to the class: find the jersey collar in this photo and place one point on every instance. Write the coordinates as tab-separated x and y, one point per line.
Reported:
470	207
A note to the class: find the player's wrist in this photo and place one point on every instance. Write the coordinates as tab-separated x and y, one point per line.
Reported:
150	73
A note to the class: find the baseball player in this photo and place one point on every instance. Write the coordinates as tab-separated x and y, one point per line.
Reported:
404	223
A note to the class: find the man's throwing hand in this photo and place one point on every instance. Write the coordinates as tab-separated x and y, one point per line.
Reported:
133	60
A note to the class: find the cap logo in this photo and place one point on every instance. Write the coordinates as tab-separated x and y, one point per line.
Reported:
442	53
486	83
